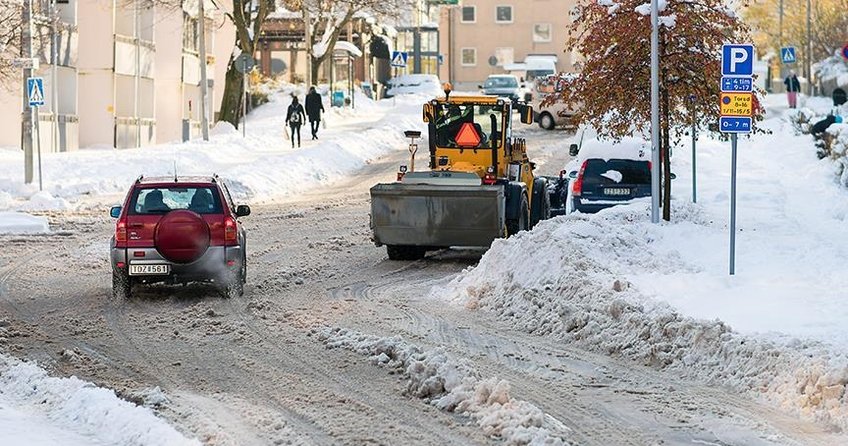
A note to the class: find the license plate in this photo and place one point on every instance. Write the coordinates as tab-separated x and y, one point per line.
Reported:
150	270
616	191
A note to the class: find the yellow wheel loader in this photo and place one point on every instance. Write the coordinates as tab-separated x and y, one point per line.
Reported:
479	186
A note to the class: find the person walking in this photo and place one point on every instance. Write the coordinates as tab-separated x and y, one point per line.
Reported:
793	86
295	118
314	108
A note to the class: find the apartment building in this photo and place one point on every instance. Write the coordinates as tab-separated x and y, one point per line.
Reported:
127	72
139	70
480	37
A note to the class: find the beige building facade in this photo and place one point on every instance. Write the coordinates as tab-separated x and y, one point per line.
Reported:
481	37
128	74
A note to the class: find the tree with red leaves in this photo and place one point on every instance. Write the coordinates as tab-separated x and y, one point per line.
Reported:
614	37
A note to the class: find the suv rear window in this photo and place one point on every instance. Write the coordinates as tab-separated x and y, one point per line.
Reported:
159	200
616	171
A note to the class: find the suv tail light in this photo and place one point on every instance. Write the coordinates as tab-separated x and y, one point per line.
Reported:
230	231
121	232
577	188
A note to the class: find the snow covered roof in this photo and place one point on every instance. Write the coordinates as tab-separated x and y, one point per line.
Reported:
349	47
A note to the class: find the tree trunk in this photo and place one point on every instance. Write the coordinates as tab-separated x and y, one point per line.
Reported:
665	155
316	67
231	104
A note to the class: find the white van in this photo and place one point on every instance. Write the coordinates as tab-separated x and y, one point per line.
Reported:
554	115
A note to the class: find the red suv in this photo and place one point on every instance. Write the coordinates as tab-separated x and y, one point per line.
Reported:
178	230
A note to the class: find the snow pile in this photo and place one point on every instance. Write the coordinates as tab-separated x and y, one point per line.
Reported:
573	285
19	223
837	135
833	68
452	386
261	167
37	409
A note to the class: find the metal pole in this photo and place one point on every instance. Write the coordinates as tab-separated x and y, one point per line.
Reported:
26	115
655	113
244	105
308	37
694	157
733	205
54	88
780	44
137	23
204	82
809	57
38	144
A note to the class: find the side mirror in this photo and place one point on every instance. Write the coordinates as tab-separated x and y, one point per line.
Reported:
673	176
572	174
532	165
523	85
428	112
573	150
480	87
115	212
526	112
242	210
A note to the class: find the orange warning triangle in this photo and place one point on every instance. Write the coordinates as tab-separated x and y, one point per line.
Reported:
467	136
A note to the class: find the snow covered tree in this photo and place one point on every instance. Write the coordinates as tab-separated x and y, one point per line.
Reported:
329	18
10	42
614	83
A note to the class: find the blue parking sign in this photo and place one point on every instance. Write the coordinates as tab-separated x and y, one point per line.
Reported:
737	60
734	124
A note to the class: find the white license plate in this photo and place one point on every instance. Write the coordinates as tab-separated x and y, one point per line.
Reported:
150	270
616	191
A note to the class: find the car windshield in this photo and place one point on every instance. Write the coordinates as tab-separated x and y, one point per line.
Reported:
501	82
616	171
484	125
159	200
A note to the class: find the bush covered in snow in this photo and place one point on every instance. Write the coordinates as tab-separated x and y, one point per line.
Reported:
835	146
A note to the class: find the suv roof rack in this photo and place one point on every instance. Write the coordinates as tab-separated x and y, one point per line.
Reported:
138	180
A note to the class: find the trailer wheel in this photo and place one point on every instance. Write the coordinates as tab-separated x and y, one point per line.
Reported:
541	204
405	252
523	222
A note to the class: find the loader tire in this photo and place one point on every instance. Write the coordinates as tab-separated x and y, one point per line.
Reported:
523	222
404	252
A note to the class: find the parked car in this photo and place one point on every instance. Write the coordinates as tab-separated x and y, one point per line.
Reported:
179	230
602	183
505	86
427	84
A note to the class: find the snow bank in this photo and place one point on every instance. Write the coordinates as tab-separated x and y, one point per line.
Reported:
572	285
261	167
36	409
19	223
452	386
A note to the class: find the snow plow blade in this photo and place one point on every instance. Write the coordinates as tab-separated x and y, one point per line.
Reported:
436	216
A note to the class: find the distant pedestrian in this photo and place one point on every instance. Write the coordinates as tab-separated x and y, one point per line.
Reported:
295	118
314	108
793	86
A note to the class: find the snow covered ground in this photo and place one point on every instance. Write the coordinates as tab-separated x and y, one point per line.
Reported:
20	223
661	294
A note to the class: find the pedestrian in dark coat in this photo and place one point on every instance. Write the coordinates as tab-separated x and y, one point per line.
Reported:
314	108
793	86
295	118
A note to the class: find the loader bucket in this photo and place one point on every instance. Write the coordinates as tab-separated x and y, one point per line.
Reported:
436	216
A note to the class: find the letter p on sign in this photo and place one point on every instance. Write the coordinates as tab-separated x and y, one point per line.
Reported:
737	60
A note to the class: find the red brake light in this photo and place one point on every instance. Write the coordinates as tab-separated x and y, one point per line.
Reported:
230	233
121	231
577	188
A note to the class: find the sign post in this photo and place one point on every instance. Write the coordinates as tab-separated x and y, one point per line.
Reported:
694	158
736	105
35	93
399	59
244	63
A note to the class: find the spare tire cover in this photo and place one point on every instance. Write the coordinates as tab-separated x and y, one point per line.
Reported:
181	236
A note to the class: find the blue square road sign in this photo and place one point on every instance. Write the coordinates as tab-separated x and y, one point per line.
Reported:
787	55
35	91
399	58
734	124
737	60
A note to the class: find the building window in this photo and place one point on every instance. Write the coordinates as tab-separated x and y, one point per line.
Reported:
469	14
503	14
190	33
469	57
542	32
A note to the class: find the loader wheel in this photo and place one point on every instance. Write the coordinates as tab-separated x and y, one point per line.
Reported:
523	222
404	252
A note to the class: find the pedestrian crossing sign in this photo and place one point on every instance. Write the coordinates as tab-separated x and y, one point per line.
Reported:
787	55
399	59
35	91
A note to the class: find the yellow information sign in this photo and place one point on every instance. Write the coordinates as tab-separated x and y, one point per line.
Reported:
736	104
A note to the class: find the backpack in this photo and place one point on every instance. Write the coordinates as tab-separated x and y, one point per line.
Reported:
295	116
